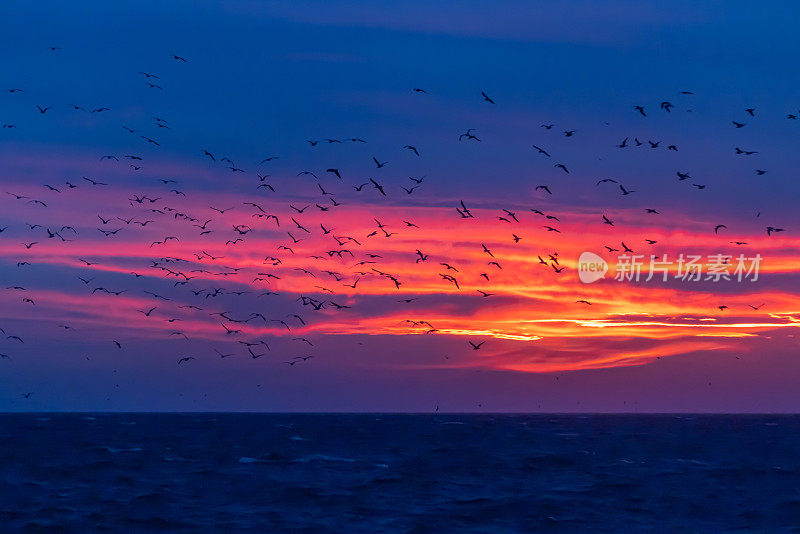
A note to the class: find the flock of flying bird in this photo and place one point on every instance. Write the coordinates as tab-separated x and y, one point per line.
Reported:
156	210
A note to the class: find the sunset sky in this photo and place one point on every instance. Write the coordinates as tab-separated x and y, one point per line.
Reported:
260	79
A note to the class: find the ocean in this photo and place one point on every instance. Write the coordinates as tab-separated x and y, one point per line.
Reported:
416	473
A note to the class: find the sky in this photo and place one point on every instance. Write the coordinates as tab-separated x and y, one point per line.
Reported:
324	294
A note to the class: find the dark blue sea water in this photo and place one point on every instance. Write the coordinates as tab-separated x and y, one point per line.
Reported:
398	473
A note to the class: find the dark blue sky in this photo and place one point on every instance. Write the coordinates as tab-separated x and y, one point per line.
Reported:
266	76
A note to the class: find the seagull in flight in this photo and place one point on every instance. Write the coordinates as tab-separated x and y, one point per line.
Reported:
541	150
